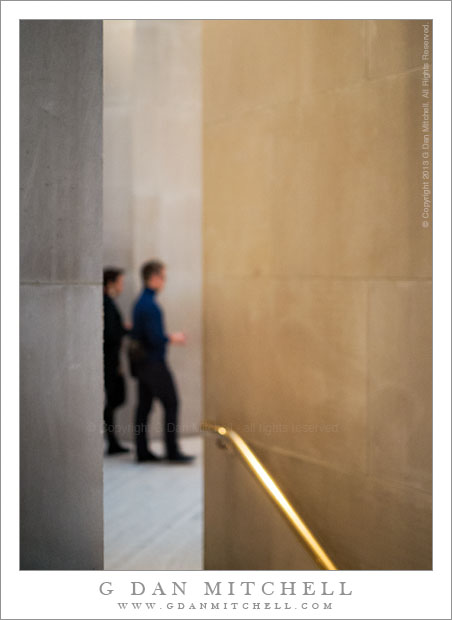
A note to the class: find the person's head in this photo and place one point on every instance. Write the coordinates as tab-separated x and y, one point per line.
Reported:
113	281
154	275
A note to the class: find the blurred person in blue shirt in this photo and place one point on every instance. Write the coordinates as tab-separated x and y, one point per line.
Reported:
154	377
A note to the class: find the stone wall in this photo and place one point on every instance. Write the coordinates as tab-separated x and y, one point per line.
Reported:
317	280
61	295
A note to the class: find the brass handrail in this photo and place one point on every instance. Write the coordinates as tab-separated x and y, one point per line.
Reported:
273	490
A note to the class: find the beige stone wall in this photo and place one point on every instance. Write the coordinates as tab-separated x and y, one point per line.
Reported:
152	184
317	280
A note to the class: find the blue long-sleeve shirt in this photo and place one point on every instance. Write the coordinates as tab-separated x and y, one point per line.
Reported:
148	325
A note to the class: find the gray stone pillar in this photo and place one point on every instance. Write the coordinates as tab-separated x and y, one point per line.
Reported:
61	295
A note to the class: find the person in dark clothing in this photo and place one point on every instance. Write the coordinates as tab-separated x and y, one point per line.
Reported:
154	377
114	330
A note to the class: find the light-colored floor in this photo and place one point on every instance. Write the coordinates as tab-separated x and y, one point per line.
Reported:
153	512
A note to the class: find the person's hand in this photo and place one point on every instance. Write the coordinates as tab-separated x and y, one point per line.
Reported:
178	338
128	325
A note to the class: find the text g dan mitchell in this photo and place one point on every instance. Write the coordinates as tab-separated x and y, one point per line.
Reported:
148	594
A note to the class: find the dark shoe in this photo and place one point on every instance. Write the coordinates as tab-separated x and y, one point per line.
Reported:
116	449
179	457
149	456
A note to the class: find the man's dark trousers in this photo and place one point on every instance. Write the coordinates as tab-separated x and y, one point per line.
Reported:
115	397
155	381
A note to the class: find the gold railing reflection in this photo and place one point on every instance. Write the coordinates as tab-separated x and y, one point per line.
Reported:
273	490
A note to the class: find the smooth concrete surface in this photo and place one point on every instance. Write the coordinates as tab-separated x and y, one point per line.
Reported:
400	323
364	522
276	153
61	141
154	511
244	530
317	280
61	517
152	186
299	359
